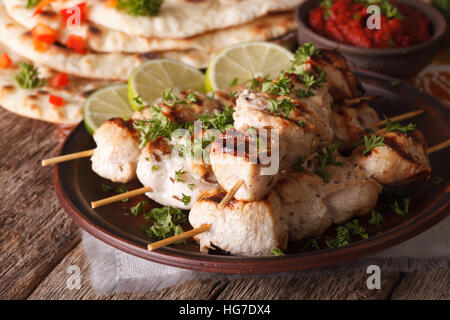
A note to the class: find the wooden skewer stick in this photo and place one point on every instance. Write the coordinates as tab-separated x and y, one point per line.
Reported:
178	237
400	117
230	194
125	195
67	157
439	146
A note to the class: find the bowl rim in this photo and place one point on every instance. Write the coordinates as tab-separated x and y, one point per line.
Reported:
437	19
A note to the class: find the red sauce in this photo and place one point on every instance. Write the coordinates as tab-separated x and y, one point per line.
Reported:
345	21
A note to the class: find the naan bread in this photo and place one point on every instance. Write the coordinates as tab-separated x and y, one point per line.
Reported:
34	103
183	18
101	39
110	66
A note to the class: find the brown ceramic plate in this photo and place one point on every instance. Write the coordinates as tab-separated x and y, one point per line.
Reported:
76	185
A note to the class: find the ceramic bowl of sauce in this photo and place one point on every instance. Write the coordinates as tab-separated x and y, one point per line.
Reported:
410	33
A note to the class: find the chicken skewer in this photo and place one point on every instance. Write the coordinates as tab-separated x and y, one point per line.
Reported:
126	195
309	215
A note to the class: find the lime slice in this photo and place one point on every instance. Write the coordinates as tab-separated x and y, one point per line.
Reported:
151	78
106	103
244	61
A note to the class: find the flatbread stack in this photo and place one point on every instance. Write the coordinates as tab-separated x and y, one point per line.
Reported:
116	40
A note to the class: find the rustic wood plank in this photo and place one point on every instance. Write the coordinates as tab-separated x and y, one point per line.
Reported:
35	233
350	285
424	285
54	286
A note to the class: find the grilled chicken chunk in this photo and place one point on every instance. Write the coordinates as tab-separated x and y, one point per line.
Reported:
305	127
249	228
186	106
349	122
402	159
236	155
306	212
350	192
342	83
117	152
176	180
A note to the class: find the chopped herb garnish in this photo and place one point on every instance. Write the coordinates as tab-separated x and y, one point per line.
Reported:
395	126
191	186
185	199
178	174
234	82
298	164
139	208
402	211
233	94
355	229
303	54
253	84
301	123
326	159
139	102
277	252
159	125
312	243
372	142
140	7
302	93
28	76
376	218
32	3
166	223
155	168
280	87
171	98
395	83
107	188
122	189
342	239
281	107
439	180
220	120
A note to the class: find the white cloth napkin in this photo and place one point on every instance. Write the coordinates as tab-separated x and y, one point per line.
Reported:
113	271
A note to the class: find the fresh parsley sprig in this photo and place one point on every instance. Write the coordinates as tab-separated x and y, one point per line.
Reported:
31	3
171	98
395	126
402	211
140	7
372	142
327	158
376	218
28	76
138	208
281	107
277	252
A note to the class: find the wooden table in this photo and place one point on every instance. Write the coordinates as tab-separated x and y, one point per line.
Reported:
38	241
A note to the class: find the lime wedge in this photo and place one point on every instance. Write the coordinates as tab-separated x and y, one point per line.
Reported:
104	104
240	63
151	78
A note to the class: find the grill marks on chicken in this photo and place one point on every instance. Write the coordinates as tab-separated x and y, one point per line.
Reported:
235	156
349	122
403	159
342	82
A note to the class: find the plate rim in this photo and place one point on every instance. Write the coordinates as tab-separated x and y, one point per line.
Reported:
428	217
